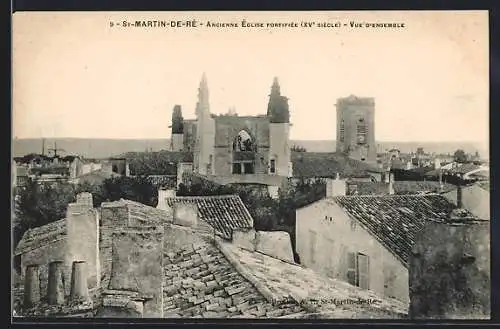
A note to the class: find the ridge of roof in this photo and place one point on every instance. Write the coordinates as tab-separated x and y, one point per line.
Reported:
40	236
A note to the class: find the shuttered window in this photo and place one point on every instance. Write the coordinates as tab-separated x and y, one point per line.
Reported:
351	268
363	271
358	270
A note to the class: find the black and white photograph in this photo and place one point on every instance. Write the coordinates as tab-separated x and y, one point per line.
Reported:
252	165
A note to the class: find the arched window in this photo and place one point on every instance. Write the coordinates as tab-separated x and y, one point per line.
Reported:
244	149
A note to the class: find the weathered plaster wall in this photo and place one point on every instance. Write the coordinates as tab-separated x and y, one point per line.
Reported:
450	272
276	244
138	265
113	216
475	199
336	237
82	242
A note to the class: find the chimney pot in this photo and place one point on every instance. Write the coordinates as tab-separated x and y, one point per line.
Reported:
55	289
79	284
31	286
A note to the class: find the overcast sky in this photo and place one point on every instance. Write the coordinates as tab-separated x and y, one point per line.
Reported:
75	76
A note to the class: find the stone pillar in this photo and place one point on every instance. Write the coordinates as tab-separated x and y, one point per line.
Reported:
55	289
31	286
79	284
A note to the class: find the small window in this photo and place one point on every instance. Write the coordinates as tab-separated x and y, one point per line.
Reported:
272	166
358	270
249	168
237	168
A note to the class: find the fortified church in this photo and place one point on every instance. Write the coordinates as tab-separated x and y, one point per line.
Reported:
228	148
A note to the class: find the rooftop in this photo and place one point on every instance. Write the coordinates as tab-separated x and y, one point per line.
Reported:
401	187
215	279
395	219
40	236
222	212
312	164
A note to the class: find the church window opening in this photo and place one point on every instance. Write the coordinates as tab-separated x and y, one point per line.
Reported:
341	137
244	150
361	131
272	166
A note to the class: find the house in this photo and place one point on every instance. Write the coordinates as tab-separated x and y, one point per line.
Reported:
365	239
21	176
163	264
399	187
311	166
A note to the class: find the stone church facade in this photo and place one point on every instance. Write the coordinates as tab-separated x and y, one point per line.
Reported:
237	149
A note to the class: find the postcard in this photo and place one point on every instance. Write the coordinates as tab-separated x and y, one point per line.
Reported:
253	165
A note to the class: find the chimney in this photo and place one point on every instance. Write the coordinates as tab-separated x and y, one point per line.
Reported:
31	286
79	285
185	214
55	289
336	187
162	196
391	183
85	198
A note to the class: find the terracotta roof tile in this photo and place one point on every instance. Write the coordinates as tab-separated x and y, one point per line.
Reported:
201	283
400	187
395	219
40	236
222	212
314	292
310	164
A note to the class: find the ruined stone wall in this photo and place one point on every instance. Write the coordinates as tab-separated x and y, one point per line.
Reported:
227	129
449	272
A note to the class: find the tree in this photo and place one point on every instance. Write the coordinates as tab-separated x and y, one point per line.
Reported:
138	189
460	156
38	204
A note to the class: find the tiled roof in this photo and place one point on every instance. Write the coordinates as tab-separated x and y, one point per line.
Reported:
99	174
311	164
315	292
168	181
156	163
40	236
201	282
145	213
222	212
214	279
401	187
395	219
